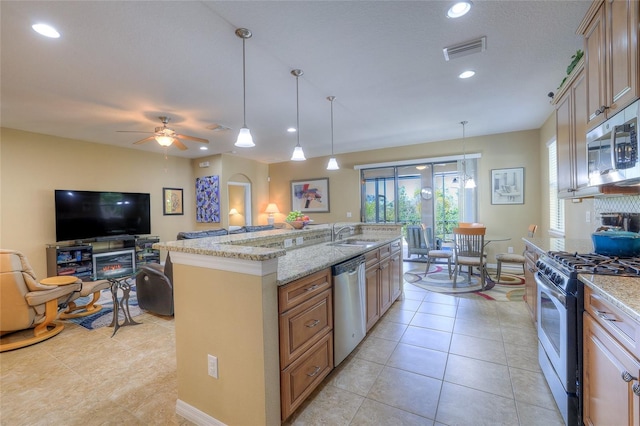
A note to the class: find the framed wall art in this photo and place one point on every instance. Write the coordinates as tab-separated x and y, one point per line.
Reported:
172	202
507	186
310	196
208	199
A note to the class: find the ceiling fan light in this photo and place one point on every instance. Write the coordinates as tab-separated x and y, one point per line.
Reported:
164	140
333	164
244	139
298	154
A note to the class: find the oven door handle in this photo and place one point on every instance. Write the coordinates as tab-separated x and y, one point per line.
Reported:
555	293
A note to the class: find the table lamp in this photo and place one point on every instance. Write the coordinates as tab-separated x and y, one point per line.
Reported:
271	209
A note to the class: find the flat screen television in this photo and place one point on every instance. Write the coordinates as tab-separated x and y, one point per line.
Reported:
95	214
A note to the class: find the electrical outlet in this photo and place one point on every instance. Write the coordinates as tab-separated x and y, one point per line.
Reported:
299	241
509	249
588	217
348	214
212	366
288	243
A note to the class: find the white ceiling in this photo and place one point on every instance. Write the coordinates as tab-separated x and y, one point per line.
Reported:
121	64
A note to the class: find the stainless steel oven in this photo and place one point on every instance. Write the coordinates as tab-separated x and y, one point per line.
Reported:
558	334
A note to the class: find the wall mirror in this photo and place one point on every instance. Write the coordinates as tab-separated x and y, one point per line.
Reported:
239	197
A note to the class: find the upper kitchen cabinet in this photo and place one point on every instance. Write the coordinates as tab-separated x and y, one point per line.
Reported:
610	29
571	134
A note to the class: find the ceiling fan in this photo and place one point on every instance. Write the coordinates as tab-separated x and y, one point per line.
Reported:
166	136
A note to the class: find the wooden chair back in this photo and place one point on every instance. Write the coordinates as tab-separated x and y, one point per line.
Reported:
469	242
470	225
532	230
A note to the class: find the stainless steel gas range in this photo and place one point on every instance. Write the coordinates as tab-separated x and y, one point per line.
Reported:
560	306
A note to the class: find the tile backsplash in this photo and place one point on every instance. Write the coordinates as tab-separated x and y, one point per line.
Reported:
623	204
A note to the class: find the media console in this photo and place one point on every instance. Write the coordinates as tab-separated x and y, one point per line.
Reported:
101	258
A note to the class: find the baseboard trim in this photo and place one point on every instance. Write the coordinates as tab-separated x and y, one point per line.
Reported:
196	416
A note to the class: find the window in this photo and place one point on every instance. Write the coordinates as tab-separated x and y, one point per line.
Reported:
556	205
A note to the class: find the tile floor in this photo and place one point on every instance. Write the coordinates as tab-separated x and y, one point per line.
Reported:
433	359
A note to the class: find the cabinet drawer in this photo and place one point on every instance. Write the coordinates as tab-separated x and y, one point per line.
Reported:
396	246
305	374
304	325
385	251
371	257
303	289
624	328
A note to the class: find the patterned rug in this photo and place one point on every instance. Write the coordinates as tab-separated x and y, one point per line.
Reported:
510	288
105	316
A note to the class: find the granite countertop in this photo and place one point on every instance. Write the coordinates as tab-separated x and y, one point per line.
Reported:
292	263
623	292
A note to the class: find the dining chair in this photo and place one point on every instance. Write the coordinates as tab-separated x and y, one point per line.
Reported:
470	225
432	252
469	251
513	257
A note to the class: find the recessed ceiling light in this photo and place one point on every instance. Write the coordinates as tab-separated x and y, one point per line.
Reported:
204	148
467	74
459	9
291	130
46	30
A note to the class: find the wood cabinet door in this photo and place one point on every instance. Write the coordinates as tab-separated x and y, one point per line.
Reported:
385	285
373	300
530	286
595	65
563	144
396	275
622	35
608	399
580	116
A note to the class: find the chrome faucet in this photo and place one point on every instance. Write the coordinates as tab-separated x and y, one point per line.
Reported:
337	233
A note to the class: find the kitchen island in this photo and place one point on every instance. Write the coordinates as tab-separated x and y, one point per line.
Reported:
226	306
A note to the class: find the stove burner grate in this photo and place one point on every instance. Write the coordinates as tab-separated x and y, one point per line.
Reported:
597	264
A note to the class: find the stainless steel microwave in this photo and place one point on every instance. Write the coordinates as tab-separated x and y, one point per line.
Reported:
612	149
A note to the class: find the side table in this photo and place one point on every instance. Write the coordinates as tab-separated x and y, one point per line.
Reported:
124	284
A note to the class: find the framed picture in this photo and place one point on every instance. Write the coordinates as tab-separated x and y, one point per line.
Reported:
310	196
172	203
507	186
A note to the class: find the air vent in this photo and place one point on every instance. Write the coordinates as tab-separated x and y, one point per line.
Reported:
466	48
217	127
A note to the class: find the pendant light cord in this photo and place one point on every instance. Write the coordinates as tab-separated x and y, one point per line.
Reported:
332	127
244	87
297	113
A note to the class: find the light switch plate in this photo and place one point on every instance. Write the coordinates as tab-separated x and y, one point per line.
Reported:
288	243
212	366
299	241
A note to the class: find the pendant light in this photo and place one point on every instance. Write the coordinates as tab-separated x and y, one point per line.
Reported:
333	164
298	154
468	180
244	137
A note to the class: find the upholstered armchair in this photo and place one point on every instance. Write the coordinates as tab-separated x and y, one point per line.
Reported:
416	243
154	287
27	304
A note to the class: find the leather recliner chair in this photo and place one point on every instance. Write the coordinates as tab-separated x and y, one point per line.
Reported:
154	287
27	303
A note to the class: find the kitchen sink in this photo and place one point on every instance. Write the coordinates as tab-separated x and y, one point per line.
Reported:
354	243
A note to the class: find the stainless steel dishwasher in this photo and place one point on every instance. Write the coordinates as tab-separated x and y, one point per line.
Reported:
349	324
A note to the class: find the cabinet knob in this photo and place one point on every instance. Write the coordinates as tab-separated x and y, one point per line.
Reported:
602	109
627	377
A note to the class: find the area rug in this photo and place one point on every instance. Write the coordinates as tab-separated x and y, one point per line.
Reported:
105	316
510	288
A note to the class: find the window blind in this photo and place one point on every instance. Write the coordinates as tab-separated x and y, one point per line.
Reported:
556	205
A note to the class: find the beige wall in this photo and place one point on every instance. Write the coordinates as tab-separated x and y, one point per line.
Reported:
507	150
33	165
